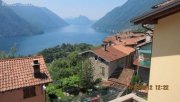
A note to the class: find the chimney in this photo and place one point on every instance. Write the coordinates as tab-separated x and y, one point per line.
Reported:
110	43
105	47
119	39
36	67
116	37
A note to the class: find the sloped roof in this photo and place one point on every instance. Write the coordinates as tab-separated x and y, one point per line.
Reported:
163	10
18	73
128	38
124	49
132	41
125	77
113	53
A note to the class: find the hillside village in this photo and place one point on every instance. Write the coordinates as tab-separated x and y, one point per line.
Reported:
122	64
122	56
115	63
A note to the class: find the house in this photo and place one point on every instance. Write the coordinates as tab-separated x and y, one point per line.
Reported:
109	59
165	61
143	60
23	79
130	39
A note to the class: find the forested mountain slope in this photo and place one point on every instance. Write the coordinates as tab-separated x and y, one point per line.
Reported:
119	18
13	25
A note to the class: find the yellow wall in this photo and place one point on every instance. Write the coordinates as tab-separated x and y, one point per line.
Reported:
165	63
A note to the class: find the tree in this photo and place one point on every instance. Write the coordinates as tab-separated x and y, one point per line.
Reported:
73	59
3	55
11	54
12	51
72	81
86	74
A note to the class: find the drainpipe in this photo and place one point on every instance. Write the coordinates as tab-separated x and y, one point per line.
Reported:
143	25
138	60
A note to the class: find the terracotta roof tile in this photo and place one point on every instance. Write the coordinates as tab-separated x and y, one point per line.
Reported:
124	49
18	73
125	77
113	52
125	38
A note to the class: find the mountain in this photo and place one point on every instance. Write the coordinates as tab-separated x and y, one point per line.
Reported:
119	18
81	20
13	25
40	17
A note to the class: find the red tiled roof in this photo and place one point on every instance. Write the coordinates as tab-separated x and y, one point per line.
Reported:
18	73
132	41
125	77
106	83
124	49
113	52
125	38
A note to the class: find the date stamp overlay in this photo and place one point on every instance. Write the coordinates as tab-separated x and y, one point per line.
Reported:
148	87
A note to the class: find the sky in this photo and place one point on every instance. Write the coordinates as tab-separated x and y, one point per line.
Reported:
93	9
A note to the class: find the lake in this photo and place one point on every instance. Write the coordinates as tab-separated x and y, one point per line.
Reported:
70	34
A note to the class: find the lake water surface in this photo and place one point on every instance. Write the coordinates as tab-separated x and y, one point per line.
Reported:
70	34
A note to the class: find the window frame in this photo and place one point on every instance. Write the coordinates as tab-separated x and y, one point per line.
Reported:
29	92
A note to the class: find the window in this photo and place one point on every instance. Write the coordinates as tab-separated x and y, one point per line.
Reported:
29	92
103	71
96	57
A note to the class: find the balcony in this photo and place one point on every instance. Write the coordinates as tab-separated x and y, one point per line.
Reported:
143	59
145	63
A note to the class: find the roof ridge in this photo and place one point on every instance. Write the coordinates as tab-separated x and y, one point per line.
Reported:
20	58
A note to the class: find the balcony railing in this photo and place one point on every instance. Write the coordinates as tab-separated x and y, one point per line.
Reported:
145	63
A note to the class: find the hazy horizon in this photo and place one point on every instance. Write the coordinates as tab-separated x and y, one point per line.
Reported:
92	9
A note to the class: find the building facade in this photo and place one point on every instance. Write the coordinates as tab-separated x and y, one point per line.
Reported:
165	60
109	60
23	79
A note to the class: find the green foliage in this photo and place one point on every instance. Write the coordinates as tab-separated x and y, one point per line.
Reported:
135	79
119	18
67	70
62	51
53	90
60	63
3	55
73	58
98	80
72	81
12	51
11	54
86	74
61	69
